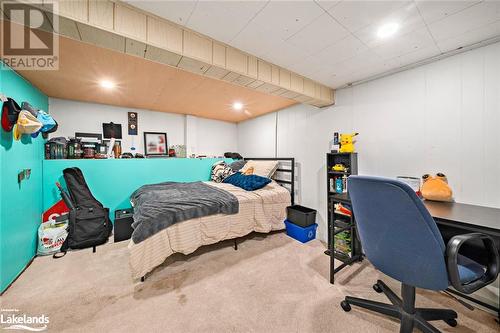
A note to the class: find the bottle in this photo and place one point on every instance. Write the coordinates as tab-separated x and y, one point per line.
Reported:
344	183
338	185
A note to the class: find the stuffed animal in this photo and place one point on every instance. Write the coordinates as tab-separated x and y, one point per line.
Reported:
436	188
347	143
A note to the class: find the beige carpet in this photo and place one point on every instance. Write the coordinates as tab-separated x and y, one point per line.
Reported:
271	284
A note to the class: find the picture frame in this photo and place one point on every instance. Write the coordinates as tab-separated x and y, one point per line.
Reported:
155	144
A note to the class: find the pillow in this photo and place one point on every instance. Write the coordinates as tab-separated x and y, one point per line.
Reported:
248	183
220	171
237	165
261	168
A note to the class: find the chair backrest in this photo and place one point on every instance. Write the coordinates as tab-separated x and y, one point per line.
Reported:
398	235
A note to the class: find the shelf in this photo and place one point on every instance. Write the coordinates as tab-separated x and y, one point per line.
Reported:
341	224
339	173
342	197
344	257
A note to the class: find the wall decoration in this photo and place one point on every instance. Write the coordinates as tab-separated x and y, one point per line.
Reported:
132	123
112	130
155	143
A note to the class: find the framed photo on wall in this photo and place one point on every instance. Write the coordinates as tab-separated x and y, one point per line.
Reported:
155	143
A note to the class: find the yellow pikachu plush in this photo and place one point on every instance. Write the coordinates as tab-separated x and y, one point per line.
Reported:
347	143
436	188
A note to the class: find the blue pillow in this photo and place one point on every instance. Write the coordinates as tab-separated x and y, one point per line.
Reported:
247	182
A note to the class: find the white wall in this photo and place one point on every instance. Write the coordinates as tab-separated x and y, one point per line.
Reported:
216	137
441	117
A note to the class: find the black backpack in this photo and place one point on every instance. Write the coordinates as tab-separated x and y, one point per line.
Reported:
89	223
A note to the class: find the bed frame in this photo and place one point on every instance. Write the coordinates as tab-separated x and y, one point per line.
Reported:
286	167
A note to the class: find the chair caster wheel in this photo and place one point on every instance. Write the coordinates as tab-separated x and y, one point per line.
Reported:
451	322
377	288
345	306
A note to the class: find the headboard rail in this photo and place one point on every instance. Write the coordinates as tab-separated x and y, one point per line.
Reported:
286	167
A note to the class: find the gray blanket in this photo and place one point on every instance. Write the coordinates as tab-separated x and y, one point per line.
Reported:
158	206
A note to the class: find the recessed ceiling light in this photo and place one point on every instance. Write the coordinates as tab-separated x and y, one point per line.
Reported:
107	84
237	106
387	30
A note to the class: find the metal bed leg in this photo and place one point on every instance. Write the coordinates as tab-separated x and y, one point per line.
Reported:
93	249
235	245
143	278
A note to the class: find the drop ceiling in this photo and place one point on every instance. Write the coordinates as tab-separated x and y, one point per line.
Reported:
146	84
335	42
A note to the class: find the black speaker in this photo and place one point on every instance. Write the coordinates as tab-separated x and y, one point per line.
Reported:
123	224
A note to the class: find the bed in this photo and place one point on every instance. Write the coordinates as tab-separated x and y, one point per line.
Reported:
262	211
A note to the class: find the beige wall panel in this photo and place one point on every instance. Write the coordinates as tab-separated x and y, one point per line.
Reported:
135	48
308	87
284	78
162	56
197	46
255	84
162	34
76	9
130	22
101	38
275	75
219	55
231	76
264	71
325	93
252	67
193	65
296	83
236	61
317	90
216	72
243	80
101	13
267	88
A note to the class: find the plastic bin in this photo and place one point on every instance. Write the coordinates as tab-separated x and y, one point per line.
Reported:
300	215
302	234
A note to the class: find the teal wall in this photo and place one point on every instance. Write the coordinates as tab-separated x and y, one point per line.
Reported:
113	181
20	205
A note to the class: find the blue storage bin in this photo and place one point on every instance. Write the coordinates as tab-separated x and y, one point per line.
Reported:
302	234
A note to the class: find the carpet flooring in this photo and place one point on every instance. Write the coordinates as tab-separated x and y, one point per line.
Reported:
272	283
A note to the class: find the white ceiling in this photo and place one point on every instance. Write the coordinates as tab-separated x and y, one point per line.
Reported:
335	42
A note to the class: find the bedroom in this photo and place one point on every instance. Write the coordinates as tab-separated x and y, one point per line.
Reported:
137	93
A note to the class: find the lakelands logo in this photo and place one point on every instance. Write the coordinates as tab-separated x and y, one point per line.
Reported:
27	34
12	319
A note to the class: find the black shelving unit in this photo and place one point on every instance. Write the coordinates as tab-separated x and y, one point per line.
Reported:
343	241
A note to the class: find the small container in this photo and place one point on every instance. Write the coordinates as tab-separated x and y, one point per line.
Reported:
300	215
338	185
299	233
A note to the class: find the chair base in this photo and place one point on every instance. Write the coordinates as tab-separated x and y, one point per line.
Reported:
403	309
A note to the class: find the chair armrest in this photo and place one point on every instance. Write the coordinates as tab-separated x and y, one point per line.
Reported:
488	277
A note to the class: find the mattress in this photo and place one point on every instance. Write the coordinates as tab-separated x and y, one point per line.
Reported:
262	211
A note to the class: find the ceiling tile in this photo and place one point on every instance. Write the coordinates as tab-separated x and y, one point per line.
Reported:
411	42
284	53
416	56
491	30
435	10
287	17
175	11
466	20
340	51
255	40
319	34
222	20
406	16
355	15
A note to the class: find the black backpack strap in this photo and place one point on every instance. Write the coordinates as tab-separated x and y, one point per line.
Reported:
63	250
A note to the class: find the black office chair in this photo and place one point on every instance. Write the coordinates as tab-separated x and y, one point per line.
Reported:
401	239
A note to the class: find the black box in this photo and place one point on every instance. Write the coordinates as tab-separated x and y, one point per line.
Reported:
301	216
123	224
